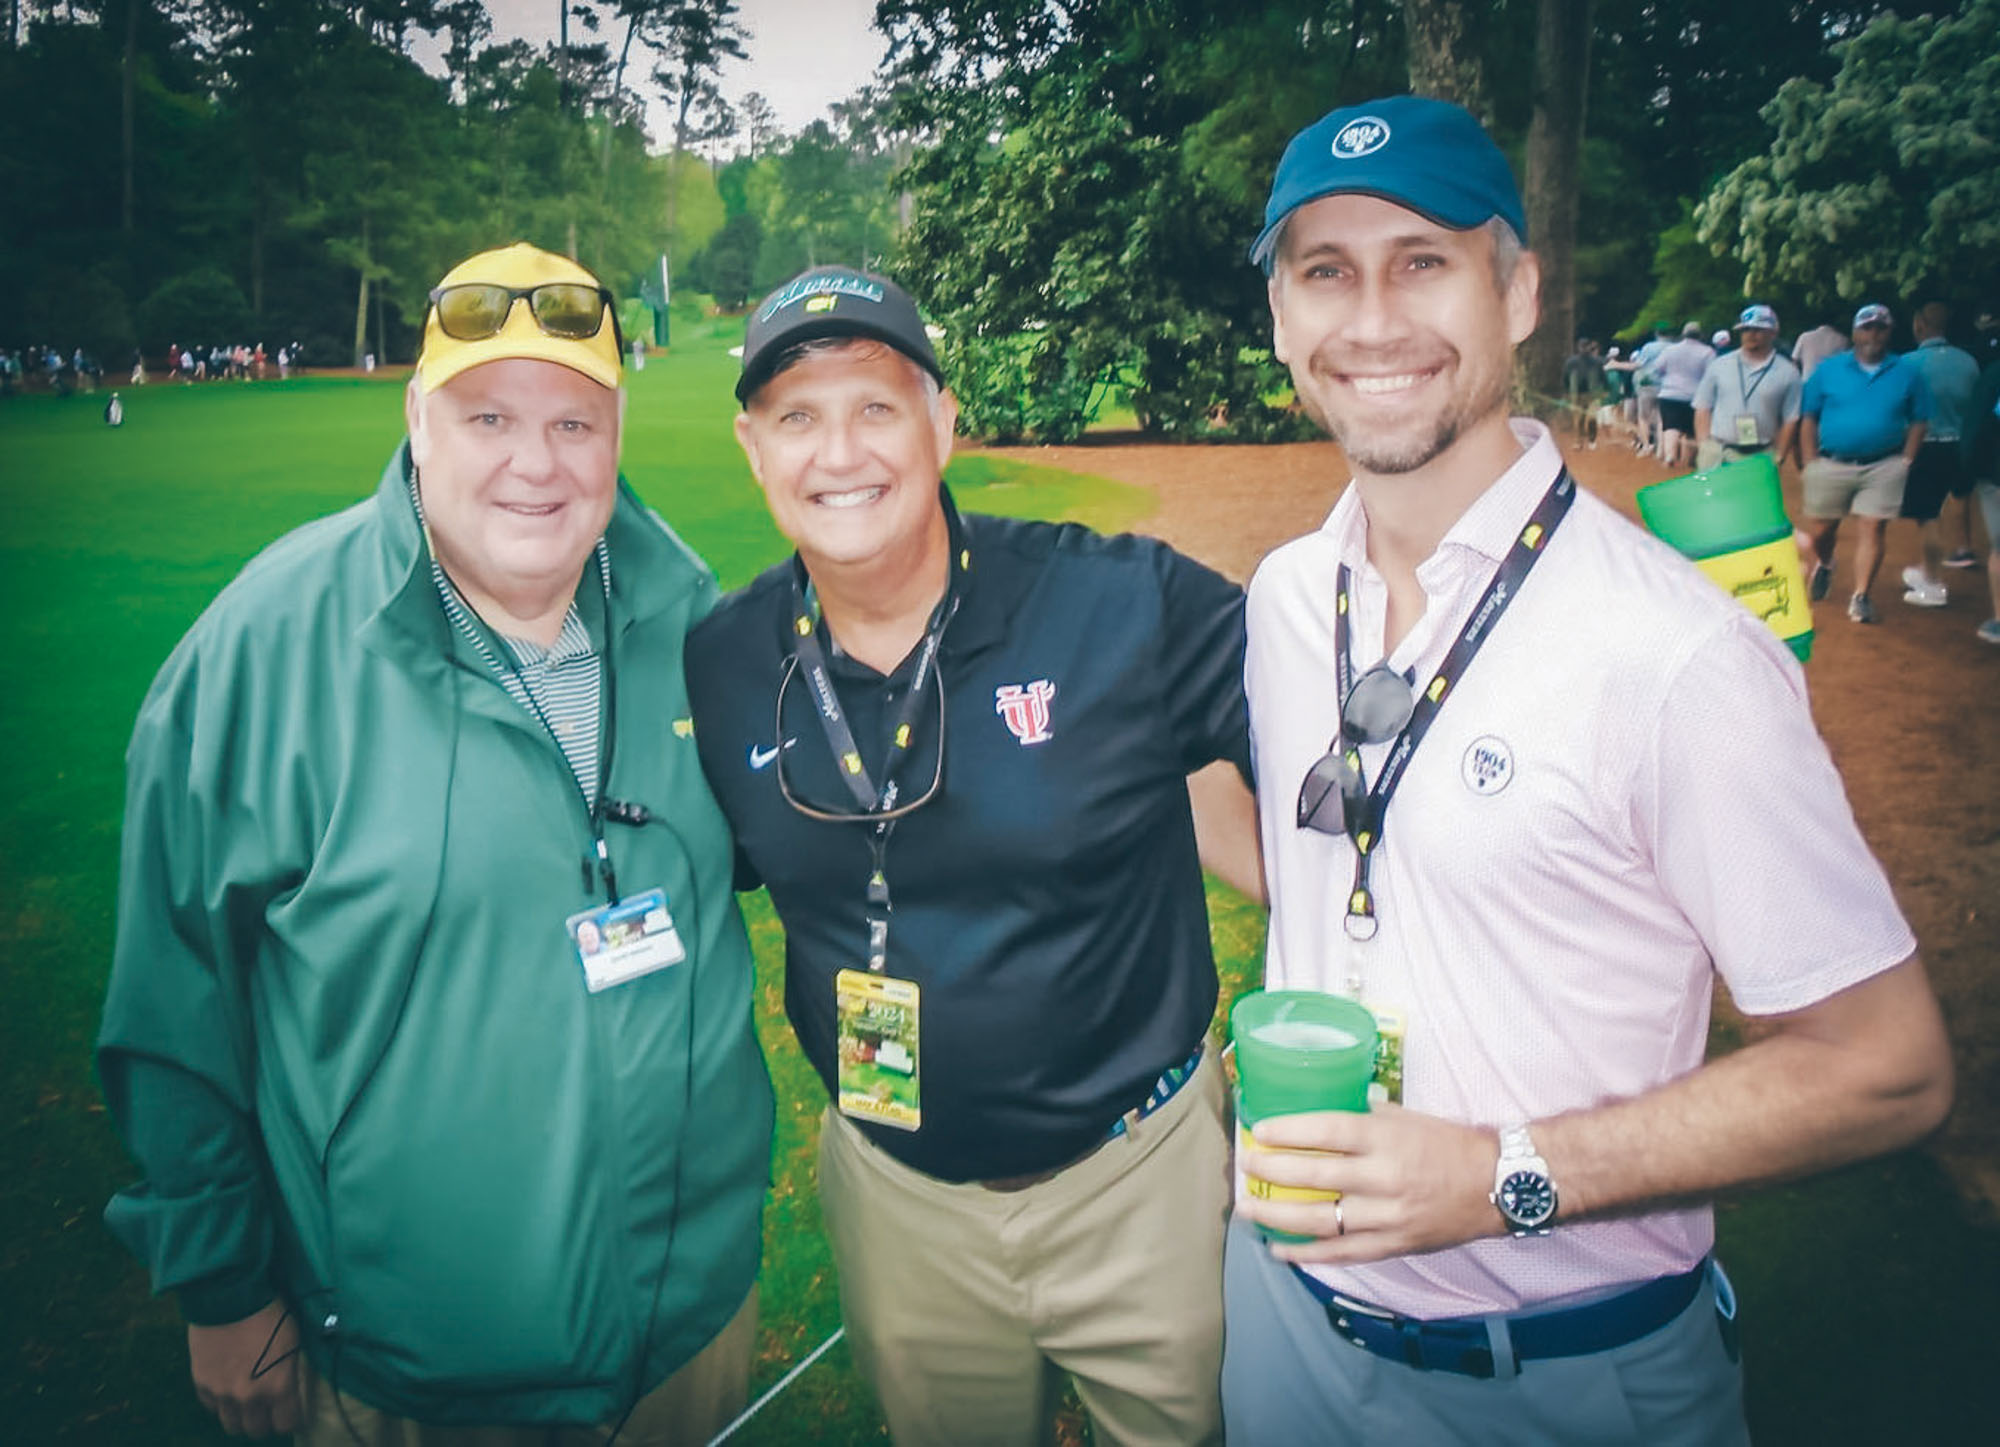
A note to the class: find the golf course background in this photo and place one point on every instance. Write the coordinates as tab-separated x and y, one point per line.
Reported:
1867	1298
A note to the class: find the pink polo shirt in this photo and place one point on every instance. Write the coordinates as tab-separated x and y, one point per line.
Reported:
1624	798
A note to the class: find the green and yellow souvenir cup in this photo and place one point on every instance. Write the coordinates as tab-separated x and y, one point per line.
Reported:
1298	1051
1730	520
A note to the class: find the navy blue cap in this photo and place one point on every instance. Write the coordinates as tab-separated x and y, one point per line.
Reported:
832	301
1428	155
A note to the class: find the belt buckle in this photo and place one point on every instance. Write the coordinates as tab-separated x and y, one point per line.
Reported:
1361	1308
1417	1343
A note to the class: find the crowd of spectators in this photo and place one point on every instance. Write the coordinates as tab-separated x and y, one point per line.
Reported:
77	370
1878	435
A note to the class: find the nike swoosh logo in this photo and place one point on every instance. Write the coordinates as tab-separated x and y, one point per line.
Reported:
761	758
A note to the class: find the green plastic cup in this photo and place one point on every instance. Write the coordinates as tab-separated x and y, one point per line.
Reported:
1298	1051
1736	505
1730	520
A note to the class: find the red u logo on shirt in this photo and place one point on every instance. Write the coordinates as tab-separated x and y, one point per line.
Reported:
1025	707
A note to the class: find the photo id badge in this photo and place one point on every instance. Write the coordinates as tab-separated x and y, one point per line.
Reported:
1746	430
1390	1029
621	942
878	1048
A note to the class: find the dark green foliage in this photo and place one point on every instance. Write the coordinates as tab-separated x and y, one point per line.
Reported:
203	305
726	266
1884	184
1691	283
1094	176
295	148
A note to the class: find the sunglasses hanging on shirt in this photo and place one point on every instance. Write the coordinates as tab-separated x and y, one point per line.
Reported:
878	806
1381	705
1375	710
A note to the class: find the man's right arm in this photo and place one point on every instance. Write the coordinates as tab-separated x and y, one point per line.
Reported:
176	1059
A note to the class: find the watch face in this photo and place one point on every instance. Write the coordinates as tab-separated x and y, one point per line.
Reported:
1527	1198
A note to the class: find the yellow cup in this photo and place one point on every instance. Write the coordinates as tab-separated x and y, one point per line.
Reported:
1263	1190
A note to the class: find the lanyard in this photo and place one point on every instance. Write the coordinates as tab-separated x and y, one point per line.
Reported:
874	801
1506	583
1750	390
597	864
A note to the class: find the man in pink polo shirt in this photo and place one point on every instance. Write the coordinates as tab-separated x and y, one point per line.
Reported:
1569	784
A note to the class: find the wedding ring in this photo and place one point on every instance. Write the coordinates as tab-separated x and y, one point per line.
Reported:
1339	1220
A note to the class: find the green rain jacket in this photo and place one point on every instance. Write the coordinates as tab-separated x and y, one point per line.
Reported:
347	1036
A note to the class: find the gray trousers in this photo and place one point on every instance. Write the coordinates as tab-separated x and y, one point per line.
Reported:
1289	1380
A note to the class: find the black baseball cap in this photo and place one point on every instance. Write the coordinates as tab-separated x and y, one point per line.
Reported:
832	301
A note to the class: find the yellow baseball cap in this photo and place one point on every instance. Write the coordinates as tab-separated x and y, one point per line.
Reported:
522	332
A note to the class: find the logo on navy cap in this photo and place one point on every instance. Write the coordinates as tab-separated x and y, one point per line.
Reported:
1362	136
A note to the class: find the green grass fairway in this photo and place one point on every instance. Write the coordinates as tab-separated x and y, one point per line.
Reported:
1866	1294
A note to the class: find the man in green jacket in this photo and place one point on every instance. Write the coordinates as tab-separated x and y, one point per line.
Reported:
429	1022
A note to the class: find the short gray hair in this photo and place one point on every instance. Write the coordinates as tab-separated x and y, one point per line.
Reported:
824	346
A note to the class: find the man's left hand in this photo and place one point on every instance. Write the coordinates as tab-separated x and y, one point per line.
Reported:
1409	1182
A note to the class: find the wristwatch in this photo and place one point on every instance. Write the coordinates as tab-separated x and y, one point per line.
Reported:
1522	1190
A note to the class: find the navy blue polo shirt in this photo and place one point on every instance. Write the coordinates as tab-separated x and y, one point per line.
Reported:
1048	901
1864	415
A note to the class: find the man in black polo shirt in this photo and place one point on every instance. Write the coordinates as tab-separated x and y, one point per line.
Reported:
956	751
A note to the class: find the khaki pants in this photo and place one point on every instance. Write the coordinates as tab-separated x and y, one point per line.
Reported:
1713	452
686	1410
965	1306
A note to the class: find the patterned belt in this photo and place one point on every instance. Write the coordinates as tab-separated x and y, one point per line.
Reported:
1164	1089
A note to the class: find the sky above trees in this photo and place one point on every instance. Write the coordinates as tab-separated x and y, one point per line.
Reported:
804	54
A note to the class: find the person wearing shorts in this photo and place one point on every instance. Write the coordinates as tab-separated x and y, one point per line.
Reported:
1682	366
1864	416
1952	378
1646	388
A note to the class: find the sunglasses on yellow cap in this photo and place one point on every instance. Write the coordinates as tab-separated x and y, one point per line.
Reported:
572	311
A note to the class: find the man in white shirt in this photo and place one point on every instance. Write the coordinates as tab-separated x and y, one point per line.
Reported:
1604	790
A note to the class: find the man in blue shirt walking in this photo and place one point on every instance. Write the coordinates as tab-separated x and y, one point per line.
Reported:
1863	419
1952	378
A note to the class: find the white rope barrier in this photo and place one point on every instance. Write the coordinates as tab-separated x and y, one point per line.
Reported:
783	1382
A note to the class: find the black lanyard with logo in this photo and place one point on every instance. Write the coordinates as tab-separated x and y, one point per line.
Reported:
1366	832
877	803
1749	389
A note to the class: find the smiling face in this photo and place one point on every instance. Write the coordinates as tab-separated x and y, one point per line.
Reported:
517	465
1399	335
848	443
